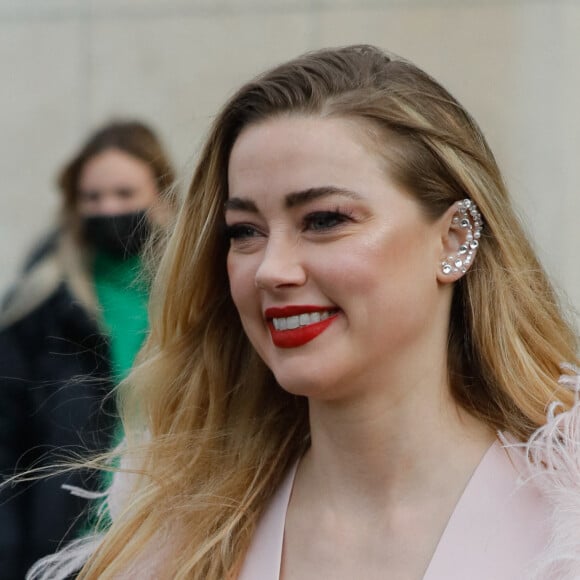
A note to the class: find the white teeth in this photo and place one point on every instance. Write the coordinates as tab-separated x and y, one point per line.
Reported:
292	322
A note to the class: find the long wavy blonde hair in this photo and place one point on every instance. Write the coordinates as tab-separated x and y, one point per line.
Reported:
220	433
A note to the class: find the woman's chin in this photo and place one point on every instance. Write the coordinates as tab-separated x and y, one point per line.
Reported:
312	387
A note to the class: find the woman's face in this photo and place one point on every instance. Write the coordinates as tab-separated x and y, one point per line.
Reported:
333	268
114	182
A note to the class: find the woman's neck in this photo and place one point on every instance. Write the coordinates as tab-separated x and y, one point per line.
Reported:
405	439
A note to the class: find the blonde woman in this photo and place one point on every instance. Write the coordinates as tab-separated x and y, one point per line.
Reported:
346	316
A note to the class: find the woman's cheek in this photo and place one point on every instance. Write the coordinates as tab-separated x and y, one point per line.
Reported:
241	275
235	280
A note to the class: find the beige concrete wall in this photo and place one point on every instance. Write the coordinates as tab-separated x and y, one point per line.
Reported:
68	65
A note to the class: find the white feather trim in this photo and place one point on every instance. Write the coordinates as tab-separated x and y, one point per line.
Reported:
553	464
66	561
84	493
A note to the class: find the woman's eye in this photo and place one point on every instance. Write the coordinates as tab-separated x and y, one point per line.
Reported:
324	220
241	232
90	196
125	193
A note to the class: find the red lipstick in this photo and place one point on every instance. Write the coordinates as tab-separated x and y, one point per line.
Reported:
295	337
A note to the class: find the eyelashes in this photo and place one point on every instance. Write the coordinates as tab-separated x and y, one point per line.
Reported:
317	222
240	231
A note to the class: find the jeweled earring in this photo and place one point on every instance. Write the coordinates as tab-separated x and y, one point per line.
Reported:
468	218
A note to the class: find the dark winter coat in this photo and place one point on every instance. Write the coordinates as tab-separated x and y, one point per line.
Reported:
55	396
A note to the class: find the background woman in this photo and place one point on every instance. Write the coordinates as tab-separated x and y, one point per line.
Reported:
346	314
70	329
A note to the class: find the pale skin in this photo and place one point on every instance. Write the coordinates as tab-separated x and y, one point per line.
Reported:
315	219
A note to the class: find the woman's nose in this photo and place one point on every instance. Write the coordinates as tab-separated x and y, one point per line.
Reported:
281	265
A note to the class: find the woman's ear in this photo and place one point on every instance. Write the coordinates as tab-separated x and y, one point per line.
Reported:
461	231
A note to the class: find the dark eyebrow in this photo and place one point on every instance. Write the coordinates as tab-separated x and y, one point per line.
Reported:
293	199
241	204
302	197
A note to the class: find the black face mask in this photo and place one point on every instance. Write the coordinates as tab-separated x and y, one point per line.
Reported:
120	235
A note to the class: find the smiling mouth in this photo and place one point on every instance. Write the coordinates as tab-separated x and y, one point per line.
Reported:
300	327
301	320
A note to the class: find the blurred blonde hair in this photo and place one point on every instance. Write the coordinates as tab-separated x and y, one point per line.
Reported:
221	433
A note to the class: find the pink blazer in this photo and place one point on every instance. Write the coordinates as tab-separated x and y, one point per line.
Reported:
497	528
